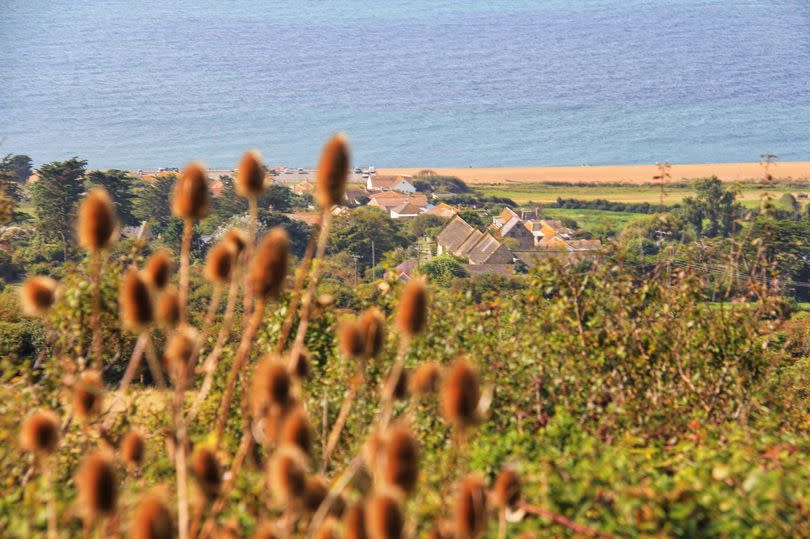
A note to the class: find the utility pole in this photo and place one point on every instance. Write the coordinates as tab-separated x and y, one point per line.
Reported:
356	258
663	176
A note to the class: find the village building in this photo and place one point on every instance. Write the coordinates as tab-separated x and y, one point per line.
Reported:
388	200
375	182
461	239
445	211
305	187
545	229
404	211
509	226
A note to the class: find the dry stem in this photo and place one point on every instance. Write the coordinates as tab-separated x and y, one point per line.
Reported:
185	250
95	279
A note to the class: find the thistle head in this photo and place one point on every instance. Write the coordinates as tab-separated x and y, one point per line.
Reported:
168	308
37	295
87	395
296	430
384	516
354	523
412	311
507	490
350	339
288	474
97	225
237	239
400	462
97	485
206	469
333	172
269	267
314	493
299	363
190	194
135	302
250	175
179	350
220	262
40	432
158	269
271	386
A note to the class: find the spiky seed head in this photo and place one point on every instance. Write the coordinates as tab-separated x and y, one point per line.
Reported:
271	384
250	175
398	388
97	226
400	467
470	511
180	349
507	490
133	448
412	312
350	339
354	523
288	474
266	530
460	394
158	269
333	171
168	308
314	493
269	267
97	485
297	431
425	379
220	262
299	364
135	302
87	395
190	194
329	529
237	239
384	518
372	327
153	519
206	470
40	432
37	295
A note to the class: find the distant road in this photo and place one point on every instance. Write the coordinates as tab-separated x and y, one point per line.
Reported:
633	174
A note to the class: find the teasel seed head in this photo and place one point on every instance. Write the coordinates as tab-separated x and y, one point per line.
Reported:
250	175
460	394
372	327
400	464
384	517
288	474
398	388
269	267
350	339
153	519
158	269
266	530
237	239
97	485
135	302
333	172
87	395
507	490
412	312
470	511
37	295
314	493
133	448
440	530
354	523
40	432
97	226
206	469
220	262
296	430
271	385
179	350
425	379
299	365
168	308
190	194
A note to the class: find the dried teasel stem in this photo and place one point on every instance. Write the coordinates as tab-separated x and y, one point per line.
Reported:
295	296
238	364
562	521
334	493
185	251
95	279
48	476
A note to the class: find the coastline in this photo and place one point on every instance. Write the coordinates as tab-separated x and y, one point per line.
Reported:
628	174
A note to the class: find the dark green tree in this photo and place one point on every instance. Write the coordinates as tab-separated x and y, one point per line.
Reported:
474	218
152	203
297	231
121	187
55	195
443	269
715	204
354	231
18	165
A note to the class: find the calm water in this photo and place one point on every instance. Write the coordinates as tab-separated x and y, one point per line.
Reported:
421	82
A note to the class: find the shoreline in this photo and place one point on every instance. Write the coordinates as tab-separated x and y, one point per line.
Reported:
614	174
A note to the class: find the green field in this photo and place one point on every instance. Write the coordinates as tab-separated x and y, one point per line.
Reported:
524	193
587	219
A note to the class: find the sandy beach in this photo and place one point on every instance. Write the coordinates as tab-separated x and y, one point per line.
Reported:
630	174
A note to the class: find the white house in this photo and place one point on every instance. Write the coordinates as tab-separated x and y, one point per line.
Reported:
376	182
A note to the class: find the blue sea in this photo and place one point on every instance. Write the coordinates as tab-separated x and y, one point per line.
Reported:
142	83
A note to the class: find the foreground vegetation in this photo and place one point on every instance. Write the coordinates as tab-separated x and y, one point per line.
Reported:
628	405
